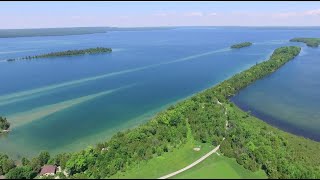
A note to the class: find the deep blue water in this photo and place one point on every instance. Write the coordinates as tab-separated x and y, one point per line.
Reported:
67	103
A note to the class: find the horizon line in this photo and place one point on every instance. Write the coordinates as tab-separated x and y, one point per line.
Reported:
155	26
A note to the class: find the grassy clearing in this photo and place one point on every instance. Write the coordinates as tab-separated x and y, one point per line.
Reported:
213	167
167	163
220	167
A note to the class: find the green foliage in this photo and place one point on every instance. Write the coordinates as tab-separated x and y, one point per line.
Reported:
24	172
35	164
10	33
79	176
311	42
220	167
241	45
73	52
254	147
61	160
69	53
25	161
253	143
79	162
6	164
44	158
4	124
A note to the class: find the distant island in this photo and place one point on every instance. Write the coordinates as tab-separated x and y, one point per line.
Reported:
69	53
4	125
12	33
311	42
241	45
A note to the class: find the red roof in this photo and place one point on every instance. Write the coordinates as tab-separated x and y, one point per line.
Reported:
48	169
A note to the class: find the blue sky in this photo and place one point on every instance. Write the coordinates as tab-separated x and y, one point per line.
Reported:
139	14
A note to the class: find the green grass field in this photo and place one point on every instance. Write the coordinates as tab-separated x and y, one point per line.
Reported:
220	167
213	167
167	163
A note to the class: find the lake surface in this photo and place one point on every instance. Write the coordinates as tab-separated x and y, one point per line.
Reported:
290	97
68	103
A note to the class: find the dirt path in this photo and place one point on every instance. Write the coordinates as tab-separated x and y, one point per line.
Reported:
193	164
199	160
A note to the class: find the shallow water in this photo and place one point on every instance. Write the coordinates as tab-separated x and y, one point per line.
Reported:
65	104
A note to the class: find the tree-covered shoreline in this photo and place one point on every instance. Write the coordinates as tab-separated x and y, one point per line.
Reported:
254	143
38	32
4	125
69	53
241	45
311	42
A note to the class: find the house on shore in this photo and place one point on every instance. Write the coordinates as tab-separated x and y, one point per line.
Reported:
48	170
2	177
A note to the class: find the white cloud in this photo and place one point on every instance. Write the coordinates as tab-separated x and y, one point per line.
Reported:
313	12
296	14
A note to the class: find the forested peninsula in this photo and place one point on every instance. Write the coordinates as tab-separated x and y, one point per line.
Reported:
311	42
254	143
13	33
69	53
241	45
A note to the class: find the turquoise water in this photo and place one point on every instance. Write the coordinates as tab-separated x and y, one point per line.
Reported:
289	98
67	103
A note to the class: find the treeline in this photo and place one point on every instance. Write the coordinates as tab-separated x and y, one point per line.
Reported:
311	42
69	53
254	144
165	132
160	135
241	45
4	124
28	169
11	33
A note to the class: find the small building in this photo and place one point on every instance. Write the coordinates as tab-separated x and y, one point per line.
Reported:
2	177
48	170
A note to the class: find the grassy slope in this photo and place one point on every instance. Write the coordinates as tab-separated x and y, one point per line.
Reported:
165	164
168	162
220	167
182	157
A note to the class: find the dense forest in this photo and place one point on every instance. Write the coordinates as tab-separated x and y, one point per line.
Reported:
241	45
311	42
4	124
254	143
70	53
28	169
